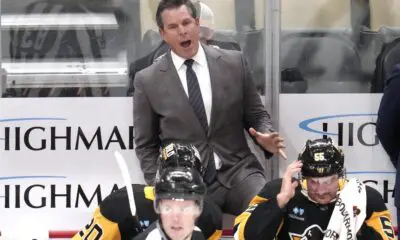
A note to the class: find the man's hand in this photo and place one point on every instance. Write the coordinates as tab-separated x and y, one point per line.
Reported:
271	142
288	187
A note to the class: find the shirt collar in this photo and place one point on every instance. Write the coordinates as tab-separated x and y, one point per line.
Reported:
199	58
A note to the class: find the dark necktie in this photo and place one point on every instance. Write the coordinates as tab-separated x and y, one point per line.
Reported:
196	101
195	98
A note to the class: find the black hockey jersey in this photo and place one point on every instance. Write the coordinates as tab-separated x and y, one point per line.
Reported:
112	220
303	219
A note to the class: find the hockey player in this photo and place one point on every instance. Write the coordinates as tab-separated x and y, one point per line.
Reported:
113	220
179	196
322	204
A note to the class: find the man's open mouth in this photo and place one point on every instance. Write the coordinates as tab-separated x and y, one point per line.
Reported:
186	43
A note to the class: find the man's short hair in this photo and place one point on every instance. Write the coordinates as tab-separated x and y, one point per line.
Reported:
171	4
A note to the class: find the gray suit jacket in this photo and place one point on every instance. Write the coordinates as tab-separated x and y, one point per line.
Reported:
162	112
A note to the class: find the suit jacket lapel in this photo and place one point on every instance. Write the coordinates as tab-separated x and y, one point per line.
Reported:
173	84
170	78
213	58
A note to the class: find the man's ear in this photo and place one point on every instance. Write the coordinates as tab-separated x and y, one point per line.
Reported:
162	33
197	214
197	21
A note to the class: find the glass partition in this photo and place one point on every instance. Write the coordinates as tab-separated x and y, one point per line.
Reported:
67	48
93	48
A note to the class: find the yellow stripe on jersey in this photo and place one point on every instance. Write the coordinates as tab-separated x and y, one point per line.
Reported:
241	220
216	235
99	228
380	222
280	226
253	203
257	200
149	193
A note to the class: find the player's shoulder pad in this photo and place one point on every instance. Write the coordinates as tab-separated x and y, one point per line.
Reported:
375	201
271	189
115	207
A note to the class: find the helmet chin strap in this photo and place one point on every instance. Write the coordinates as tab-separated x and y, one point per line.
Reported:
188	236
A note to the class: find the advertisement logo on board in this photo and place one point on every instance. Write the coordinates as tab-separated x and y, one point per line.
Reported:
54	133
38	192
346	129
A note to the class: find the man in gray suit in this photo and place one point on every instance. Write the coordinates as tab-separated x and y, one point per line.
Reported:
204	96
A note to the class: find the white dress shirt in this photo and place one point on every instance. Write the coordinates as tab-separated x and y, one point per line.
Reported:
200	67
